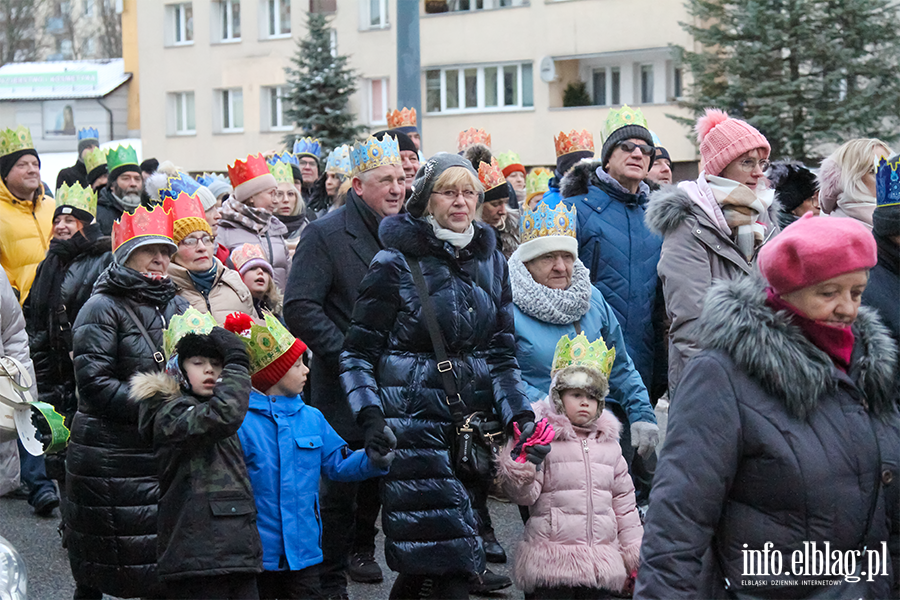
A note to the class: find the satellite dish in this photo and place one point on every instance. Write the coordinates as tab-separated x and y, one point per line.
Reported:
548	69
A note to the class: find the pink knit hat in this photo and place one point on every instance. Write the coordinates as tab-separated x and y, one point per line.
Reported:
814	249
722	139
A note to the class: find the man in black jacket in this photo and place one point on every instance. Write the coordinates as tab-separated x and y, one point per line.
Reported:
332	258
88	139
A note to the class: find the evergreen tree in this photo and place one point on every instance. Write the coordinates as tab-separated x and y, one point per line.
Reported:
320	86
804	72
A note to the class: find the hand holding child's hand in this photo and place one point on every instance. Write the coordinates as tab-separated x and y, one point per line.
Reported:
644	437
380	448
532	442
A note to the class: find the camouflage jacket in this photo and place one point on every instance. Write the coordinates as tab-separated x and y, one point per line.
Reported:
207	516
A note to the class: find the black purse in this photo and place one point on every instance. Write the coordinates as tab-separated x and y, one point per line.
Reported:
478	440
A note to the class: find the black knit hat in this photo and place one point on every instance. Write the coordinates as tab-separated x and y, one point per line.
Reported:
427	176
567	161
150	165
794	184
96	173
620	135
194	344
661	153
404	141
9	161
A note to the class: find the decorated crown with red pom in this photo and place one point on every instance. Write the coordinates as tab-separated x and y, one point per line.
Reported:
143	222
575	141
472	136
188	216
272	348
243	171
491	175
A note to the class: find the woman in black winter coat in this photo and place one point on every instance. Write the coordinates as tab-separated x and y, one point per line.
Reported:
390	372
111	481
784	437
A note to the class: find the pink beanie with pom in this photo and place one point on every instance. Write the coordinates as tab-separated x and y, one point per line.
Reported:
722	139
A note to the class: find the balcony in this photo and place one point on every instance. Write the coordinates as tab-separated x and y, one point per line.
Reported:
455	6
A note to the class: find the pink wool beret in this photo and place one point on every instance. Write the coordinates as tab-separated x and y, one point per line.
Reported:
814	249
723	139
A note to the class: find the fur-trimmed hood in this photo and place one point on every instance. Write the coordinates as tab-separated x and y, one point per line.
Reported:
606	427
584	174
157	387
414	236
668	208
771	350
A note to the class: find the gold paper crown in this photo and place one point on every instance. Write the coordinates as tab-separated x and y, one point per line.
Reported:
282	172
472	136
576	141
537	182
13	140
619	118
371	154
95	158
490	175
78	197
544	221
582	353
190	321
401	118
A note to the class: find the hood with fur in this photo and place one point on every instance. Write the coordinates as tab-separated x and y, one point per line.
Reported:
414	236
151	390
605	428
584	174
771	350
668	208
578	377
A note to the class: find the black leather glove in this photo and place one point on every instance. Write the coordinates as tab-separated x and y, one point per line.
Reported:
371	419
230	345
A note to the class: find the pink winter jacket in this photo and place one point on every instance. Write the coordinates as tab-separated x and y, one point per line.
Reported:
584	528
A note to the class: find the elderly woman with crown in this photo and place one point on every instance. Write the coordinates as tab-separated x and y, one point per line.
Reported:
432	345
111	481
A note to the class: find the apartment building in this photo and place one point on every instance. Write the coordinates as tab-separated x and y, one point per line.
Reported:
212	72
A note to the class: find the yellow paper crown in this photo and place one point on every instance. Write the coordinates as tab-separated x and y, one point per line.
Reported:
575	141
95	158
508	158
282	172
13	140
537	182
582	353
619	118
544	221
372	153
490	175
191	321
78	197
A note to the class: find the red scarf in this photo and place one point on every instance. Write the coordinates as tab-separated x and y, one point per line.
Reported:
836	342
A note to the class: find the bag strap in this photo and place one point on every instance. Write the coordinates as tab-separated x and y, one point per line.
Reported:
157	355
458	408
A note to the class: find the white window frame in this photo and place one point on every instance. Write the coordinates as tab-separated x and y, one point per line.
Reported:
641	67
89	8
226	99
179	24
453	5
277	93
365	15
377	117
480	88
266	12
225	21
181	99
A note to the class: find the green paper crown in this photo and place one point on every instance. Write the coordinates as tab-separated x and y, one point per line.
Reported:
617	119
580	352
282	172
95	158
121	155
191	321
13	140
77	196
508	158
266	344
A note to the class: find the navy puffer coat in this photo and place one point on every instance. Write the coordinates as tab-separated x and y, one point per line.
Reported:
388	362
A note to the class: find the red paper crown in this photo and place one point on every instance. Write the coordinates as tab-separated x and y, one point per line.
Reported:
576	141
142	222
472	136
401	118
245	170
184	206
491	175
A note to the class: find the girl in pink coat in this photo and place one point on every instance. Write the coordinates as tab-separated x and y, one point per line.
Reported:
583	536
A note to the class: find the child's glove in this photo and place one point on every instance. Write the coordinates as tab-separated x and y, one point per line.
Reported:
380	448
644	437
532	442
233	350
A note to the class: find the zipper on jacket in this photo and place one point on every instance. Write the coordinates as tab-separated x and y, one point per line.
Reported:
586	456
38	225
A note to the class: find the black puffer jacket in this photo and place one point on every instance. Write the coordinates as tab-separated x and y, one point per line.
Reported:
388	362
770	442
109	210
111	481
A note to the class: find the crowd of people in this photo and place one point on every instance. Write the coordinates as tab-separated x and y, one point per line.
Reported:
472	328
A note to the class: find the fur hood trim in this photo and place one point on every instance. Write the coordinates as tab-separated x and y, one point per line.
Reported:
605	428
775	353
155	387
668	208
579	178
415	237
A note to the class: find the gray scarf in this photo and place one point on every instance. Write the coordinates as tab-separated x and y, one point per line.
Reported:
559	307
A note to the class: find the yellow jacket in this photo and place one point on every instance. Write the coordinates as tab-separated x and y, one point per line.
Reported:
25	230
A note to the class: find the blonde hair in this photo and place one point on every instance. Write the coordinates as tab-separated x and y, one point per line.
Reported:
341	196
841	174
455	177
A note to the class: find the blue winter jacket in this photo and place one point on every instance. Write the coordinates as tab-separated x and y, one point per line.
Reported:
287	446
552	196
621	253
536	341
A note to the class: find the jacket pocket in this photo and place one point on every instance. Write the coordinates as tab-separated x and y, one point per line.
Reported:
308	442
229	504
308	453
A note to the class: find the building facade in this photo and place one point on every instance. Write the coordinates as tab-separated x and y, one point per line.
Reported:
212	71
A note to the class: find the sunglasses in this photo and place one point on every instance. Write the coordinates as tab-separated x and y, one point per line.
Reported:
646	149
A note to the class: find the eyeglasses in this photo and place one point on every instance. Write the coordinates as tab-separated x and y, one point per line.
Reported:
748	165
281	194
628	147
452	194
190	242
308	162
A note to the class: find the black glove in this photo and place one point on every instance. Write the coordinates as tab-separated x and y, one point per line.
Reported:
380	448
372	422
537	453
523	421
230	345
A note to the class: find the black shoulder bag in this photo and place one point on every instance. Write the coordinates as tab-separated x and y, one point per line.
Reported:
478	441
157	355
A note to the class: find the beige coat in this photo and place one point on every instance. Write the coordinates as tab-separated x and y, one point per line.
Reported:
228	293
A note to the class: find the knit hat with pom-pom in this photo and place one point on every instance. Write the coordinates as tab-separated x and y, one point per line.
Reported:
723	139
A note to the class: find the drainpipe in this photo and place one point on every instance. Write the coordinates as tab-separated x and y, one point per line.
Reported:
110	113
409	69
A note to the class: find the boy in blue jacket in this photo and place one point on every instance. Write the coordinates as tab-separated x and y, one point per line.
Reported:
287	446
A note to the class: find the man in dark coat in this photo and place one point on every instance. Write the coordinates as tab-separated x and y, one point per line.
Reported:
332	258
124	190
88	139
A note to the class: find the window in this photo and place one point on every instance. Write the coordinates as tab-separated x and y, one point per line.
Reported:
277	104
599	82
677	89
322	6
182	105
377	92
183	23
479	88
615	86
647	84
227	13
89	8
232	102
373	14
470	5
277	18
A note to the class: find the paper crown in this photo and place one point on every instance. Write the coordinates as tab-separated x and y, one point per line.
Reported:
339	161
544	221
538	181
247	253
264	344
156	222
472	136
78	197
490	175
13	140
401	118
120	155
190	321
307	146
284	157
88	133
281	171
619	118
243	171
372	153
180	183
95	158
188	215
508	159
887	182
575	141
582	353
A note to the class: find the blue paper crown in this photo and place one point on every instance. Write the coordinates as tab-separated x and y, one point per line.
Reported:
308	146
372	153
285	157
88	133
544	221
339	161
887	182
175	184
206	179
